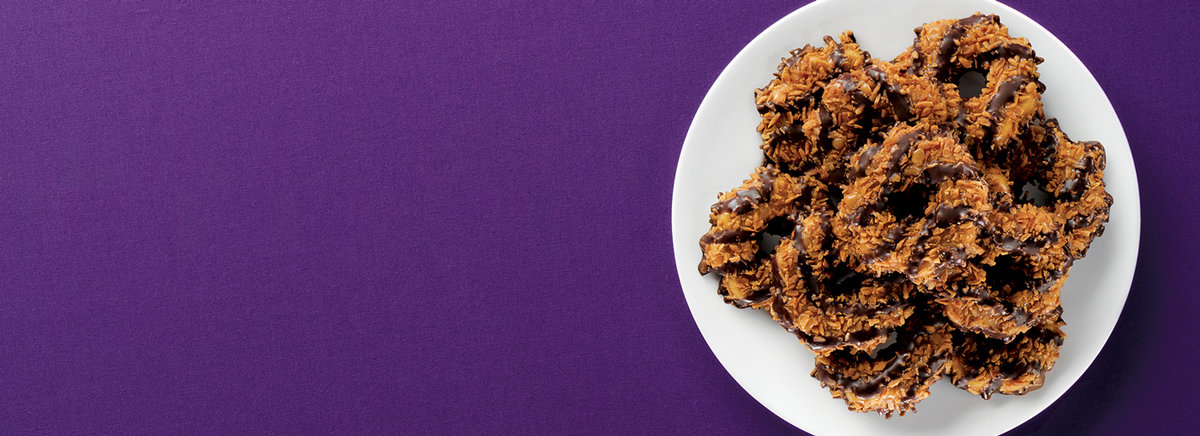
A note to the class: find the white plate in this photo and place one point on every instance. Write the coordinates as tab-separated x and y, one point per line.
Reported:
721	149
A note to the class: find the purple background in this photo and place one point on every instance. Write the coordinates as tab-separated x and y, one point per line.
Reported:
441	217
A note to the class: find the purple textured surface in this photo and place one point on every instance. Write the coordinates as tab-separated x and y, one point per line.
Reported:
444	217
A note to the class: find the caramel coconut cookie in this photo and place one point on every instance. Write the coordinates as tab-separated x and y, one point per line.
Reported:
914	205
984	366
827	305
917	231
945	50
732	246
817	106
894	377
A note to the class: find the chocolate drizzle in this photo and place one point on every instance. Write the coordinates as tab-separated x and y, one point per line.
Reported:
754	298
1020	316
825	118
1071	189
794	58
1077	222
728	268
741	202
887	245
961	117
805	271
1016	50
768	182
978	18
1005	93
949	42
899	101
1013	245
945	215
745	199
946	50
727	236
796	105
939	173
837	57
864	161
992	387
855	339
1093	148
850	86
903	143
792	132
1087	164
768	107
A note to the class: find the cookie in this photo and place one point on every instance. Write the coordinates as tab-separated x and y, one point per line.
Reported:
893	378
827	305
943	51
732	246
817	106
985	366
914	205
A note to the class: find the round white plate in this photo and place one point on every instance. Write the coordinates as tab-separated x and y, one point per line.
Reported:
721	150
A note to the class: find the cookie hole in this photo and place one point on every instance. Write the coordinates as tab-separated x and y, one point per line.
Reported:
891	340
781	226
909	204
971	84
844	280
1034	193
776	230
767	243
1006	276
